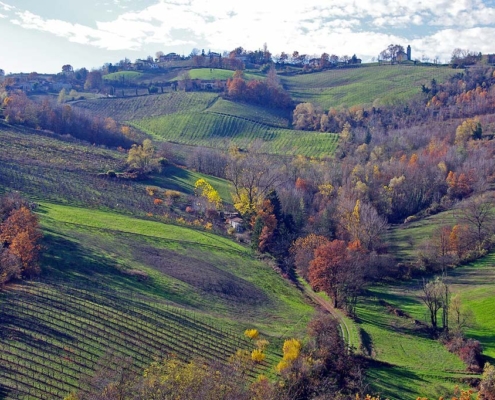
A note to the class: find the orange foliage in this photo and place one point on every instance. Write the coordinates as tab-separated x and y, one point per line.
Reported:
20	234
326	268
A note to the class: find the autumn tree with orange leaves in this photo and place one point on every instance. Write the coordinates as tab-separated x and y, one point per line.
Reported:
336	269
19	239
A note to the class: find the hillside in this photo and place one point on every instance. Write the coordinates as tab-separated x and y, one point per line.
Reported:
114	282
364	86
204	119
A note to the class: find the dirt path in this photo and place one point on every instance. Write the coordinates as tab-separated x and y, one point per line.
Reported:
337	314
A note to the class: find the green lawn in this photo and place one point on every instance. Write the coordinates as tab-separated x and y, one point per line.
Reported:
407	363
366	86
475	283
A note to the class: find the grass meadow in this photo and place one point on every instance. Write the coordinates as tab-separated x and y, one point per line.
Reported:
364	86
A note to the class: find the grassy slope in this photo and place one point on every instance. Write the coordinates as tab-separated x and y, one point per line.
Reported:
45	167
218	130
127	75
255	113
202	290
376	85
132	108
201	293
217	74
418	364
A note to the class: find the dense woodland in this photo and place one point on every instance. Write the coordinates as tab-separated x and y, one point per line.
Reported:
325	220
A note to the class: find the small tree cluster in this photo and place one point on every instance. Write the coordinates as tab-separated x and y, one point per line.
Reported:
20	237
258	92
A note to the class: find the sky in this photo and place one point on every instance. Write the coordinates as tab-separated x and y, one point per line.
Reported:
43	35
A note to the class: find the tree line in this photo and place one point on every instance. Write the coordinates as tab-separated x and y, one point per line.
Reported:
65	120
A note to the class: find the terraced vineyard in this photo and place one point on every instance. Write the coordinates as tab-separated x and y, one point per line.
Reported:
132	108
53	333
367	85
218	130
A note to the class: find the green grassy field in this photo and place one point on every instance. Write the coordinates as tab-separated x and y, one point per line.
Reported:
475	283
137	288
218	130
217	74
401	348
366	86
406	362
128	76
113	282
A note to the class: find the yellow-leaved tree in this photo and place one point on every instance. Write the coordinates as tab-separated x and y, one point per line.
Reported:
203	189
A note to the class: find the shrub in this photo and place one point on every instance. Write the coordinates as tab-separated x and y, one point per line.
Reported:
251	333
257	356
157	202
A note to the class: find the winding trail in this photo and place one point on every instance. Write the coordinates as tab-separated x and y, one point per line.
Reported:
347	328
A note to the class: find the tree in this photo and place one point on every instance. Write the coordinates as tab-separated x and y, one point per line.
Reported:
141	157
469	129
20	237
203	189
391	52
303	252
487	384
460	317
252	177
67	69
61	97
478	215
94	80
435	295
327	270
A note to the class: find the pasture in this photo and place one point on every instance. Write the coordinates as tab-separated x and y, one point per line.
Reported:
364	86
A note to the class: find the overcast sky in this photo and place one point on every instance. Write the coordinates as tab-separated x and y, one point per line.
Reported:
43	35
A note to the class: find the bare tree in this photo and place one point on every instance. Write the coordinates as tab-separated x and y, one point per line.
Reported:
460	316
478	214
435	295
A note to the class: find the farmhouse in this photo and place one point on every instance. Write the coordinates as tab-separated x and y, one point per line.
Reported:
169	57
236	223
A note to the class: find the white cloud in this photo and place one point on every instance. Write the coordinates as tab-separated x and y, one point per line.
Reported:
2	15
6	7
309	26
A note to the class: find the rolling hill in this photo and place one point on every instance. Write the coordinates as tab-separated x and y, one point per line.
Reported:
364	86
120	281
